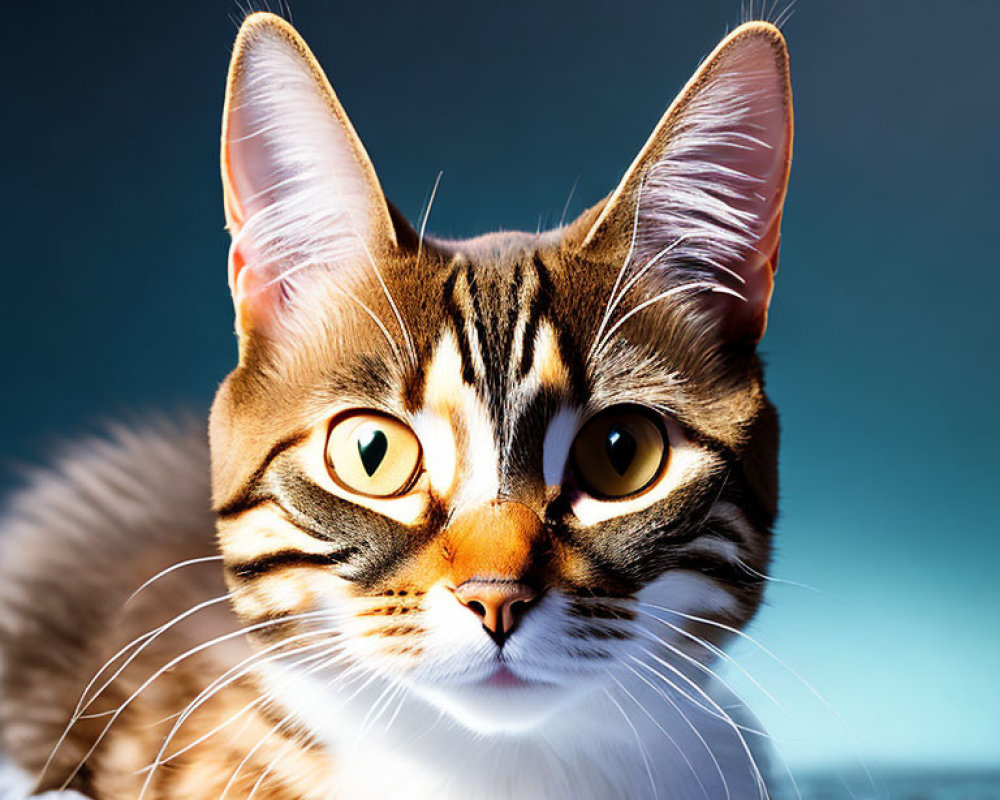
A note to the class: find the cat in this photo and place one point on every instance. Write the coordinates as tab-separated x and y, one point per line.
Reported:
475	518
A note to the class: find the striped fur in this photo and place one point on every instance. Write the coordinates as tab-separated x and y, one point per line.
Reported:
323	631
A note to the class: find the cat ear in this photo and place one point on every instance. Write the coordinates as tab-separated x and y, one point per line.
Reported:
300	191
701	204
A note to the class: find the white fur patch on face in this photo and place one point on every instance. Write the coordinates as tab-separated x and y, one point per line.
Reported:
687	593
667	608
437	440
558	441
451	398
687	462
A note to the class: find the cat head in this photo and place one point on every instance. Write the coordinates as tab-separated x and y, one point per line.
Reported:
497	471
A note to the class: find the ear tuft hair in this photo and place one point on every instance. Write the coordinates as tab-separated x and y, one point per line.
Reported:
701	204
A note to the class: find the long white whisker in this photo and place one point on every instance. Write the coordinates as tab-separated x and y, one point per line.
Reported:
670	738
572	190
746	637
143	641
761	647
691	725
621	272
684	287
646	268
392	302
170	665
704	668
277	759
262	699
427	213
82	704
718	652
721	712
638	740
168	570
260	743
721	716
247	665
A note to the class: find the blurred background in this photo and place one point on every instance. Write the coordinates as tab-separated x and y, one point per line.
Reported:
882	347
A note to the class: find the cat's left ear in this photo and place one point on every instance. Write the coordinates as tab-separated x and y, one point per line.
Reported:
700	207
300	190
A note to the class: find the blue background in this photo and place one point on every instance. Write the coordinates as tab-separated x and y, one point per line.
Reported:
882	344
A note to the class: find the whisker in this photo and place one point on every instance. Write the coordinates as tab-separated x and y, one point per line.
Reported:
684	287
736	727
170	665
638	741
427	213
262	699
569	199
815	692
168	570
621	272
392	302
670	738
718	652
260	743
691	725
246	666
708	671
721	715
277	759
144	640
747	637
81	705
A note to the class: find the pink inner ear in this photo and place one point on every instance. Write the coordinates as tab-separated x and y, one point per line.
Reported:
301	196
710	205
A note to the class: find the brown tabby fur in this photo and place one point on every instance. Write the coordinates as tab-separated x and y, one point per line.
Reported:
65	607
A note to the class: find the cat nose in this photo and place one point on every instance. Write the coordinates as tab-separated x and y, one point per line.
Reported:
498	603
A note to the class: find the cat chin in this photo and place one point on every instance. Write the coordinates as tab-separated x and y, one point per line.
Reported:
504	709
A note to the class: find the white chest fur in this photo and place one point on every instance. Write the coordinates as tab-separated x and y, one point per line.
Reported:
638	745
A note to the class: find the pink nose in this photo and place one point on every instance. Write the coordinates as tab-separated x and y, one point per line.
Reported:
498	603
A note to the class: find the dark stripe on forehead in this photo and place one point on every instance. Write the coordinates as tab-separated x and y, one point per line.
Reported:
457	319
482	336
513	310
569	353
540	302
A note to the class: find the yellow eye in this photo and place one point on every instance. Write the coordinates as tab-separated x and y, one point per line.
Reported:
372	454
620	452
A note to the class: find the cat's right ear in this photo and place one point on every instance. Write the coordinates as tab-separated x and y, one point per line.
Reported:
300	191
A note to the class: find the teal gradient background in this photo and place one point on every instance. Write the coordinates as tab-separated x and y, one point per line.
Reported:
882	348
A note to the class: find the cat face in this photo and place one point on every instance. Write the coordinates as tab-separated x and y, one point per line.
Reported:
497	472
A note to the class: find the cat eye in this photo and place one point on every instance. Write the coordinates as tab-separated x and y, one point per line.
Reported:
372	454
619	452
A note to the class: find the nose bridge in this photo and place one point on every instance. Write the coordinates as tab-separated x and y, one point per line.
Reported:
499	540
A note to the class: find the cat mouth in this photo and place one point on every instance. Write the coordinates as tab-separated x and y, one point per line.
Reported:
504	678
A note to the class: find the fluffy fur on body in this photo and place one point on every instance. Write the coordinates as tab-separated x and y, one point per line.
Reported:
495	625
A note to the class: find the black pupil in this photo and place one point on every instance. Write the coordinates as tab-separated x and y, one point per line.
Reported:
620	447
372	445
